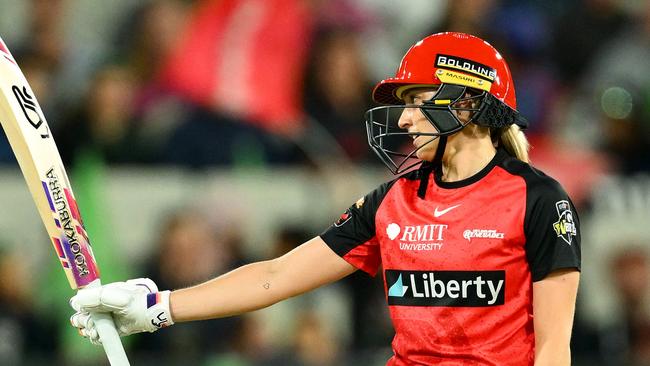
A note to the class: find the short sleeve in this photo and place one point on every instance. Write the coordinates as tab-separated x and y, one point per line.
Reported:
353	236
552	229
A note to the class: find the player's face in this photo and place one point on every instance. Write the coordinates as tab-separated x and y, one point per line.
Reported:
415	122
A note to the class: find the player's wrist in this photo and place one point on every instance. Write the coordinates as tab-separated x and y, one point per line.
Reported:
158	308
176	306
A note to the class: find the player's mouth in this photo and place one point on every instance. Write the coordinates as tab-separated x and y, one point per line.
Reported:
414	135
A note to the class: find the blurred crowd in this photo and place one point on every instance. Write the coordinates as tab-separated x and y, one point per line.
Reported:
237	84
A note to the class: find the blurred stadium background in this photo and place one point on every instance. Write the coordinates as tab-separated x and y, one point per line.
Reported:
200	135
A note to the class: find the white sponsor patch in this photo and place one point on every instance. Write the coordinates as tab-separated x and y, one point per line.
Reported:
417	237
438	213
393	231
482	234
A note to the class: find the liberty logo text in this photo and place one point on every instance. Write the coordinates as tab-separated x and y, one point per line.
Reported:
446	288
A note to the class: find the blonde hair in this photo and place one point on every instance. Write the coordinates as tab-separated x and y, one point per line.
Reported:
513	140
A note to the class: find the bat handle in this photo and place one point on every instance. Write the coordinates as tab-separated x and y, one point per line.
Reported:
110	339
108	335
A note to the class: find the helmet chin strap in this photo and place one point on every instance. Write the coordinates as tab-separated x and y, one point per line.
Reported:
440	152
436	163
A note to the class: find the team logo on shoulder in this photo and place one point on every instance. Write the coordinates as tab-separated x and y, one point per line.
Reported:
565	227
345	217
360	202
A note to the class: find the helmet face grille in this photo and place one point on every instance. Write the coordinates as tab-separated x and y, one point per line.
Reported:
389	142
394	145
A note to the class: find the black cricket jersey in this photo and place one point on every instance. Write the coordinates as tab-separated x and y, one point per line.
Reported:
459	258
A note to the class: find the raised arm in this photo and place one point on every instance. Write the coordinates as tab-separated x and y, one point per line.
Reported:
258	285
137	306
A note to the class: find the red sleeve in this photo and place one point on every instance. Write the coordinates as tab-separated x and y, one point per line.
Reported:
365	257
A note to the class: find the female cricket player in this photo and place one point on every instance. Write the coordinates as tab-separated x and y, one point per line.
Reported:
480	252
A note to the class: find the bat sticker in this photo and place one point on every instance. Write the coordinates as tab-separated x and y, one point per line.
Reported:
28	103
75	243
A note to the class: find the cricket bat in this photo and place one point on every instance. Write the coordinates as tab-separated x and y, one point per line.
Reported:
32	143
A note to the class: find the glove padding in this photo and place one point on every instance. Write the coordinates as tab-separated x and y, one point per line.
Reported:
136	306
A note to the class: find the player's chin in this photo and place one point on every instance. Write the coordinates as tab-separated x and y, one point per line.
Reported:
427	152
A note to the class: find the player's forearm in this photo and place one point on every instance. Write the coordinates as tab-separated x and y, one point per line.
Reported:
549	354
554	301
261	284
244	289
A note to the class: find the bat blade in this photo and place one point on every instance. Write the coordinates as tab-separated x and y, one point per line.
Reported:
39	160
38	157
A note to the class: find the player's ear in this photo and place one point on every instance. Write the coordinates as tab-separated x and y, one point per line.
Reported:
461	106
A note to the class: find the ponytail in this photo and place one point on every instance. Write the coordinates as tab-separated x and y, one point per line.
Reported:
513	140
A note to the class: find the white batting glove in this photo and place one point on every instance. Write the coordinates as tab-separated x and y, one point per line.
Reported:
136	306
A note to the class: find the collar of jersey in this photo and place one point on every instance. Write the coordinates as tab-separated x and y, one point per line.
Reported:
498	158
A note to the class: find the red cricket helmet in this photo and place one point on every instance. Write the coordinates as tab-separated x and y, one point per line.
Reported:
450	58
463	68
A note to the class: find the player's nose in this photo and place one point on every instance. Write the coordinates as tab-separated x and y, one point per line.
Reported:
405	119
